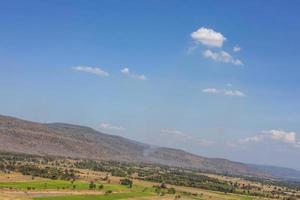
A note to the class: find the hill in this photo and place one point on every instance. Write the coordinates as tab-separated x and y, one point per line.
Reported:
59	139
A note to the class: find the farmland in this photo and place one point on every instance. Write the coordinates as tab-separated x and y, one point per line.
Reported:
29	177
37	190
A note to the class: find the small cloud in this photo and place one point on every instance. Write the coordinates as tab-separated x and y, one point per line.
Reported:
211	90
111	127
225	92
273	135
140	77
92	70
191	49
208	37
237	49
233	93
253	139
126	72
221	56
283	136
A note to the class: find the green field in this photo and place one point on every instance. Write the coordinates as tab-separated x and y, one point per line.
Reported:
109	191
116	191
60	184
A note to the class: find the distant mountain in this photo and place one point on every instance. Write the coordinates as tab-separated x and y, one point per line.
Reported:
280	172
75	141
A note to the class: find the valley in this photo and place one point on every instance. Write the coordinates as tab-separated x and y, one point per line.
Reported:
33	177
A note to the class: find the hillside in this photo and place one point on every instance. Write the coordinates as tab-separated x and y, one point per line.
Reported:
75	141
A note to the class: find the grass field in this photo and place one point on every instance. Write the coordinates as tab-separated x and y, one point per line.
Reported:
58	184
47	189
65	187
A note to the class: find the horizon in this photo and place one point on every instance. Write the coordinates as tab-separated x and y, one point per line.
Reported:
216	79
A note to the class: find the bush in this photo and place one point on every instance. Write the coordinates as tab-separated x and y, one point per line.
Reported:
108	192
171	190
92	185
126	182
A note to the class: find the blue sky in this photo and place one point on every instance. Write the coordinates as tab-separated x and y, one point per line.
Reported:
216	78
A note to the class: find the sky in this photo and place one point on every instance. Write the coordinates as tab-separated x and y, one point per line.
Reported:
215	78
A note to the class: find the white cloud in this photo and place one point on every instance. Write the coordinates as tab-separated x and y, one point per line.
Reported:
221	56
257	138
111	127
286	137
211	38
225	92
208	37
237	49
273	135
125	71
211	91
140	77
233	93
93	70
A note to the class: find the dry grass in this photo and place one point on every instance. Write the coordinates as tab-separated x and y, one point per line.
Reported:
14	176
13	196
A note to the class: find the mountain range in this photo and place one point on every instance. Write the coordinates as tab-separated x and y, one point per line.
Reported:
67	140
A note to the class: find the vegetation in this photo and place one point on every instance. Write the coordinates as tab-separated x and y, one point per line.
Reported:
126	182
59	185
65	175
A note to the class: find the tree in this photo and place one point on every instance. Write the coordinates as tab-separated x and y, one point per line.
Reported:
100	187
126	182
92	185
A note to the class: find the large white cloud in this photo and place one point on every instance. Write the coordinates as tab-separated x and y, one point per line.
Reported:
125	71
211	38
208	37
221	56
225	92
92	70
